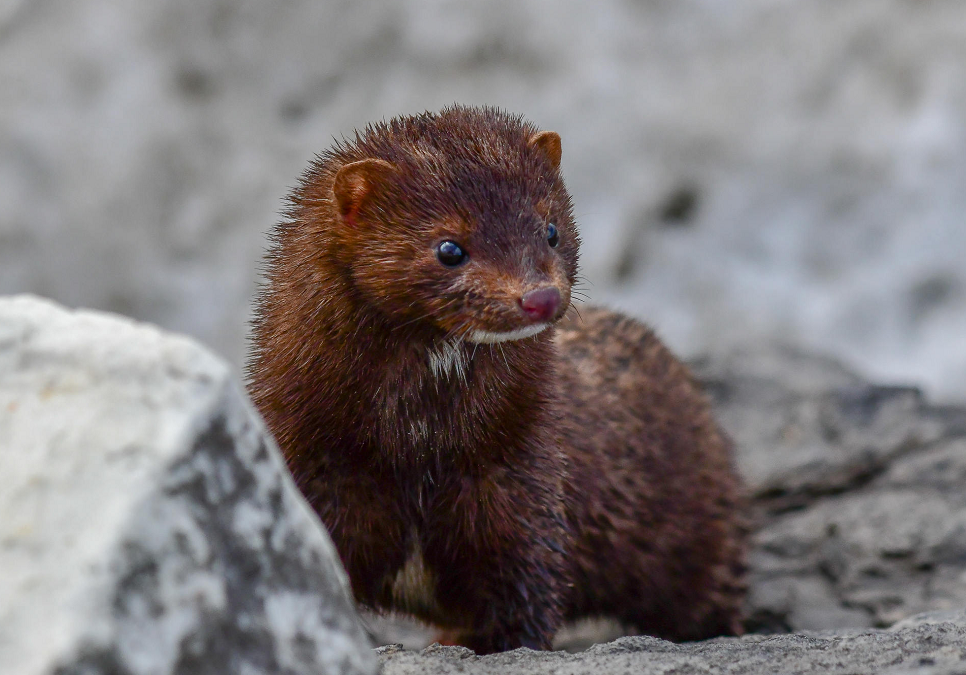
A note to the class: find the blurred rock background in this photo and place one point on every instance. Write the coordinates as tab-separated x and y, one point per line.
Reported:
744	171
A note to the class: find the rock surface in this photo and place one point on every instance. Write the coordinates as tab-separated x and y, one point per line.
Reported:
857	488
741	170
928	645
147	523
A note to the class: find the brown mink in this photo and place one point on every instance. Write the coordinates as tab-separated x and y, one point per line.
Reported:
485	458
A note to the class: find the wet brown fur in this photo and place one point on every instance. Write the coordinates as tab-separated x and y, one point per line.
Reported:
574	473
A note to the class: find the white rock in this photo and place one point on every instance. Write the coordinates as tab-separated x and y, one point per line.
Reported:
147	522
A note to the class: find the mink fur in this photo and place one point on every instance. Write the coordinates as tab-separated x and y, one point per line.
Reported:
491	484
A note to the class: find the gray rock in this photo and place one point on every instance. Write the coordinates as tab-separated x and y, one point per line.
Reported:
857	490
805	425
933	646
147	523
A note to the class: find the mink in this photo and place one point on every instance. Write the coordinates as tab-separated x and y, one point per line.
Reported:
486	456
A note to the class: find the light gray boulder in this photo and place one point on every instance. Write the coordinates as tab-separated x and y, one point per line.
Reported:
147	522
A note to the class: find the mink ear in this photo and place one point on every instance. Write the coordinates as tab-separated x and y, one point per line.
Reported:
354	183
548	143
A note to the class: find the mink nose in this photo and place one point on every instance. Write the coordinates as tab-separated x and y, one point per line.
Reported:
541	304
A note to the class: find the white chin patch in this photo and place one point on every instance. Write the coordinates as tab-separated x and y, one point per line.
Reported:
487	337
445	358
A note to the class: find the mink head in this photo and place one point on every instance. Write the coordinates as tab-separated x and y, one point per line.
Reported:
456	222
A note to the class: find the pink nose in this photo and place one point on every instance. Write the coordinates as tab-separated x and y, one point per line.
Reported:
541	304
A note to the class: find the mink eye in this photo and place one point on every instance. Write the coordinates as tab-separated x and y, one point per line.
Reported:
450	254
553	237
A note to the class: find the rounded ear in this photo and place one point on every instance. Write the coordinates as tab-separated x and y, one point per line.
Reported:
355	181
547	143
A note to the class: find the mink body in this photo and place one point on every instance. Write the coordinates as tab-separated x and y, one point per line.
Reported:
484	458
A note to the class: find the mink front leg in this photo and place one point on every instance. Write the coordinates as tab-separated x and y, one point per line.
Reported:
367	524
497	543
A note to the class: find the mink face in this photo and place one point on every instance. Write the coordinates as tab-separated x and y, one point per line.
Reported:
480	459
475	240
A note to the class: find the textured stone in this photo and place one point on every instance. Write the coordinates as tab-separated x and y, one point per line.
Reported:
856	487
806	426
931	646
147	523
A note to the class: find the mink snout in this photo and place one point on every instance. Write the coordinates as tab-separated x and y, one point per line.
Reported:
541	304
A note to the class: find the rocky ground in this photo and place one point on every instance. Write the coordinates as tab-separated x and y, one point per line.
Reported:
857	489
926	645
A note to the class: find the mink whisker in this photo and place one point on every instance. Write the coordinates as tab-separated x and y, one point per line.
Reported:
503	354
427	315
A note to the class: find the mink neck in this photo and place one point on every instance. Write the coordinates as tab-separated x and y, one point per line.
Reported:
404	394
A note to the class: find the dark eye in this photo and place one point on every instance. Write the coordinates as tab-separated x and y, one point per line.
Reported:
450	254
553	237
